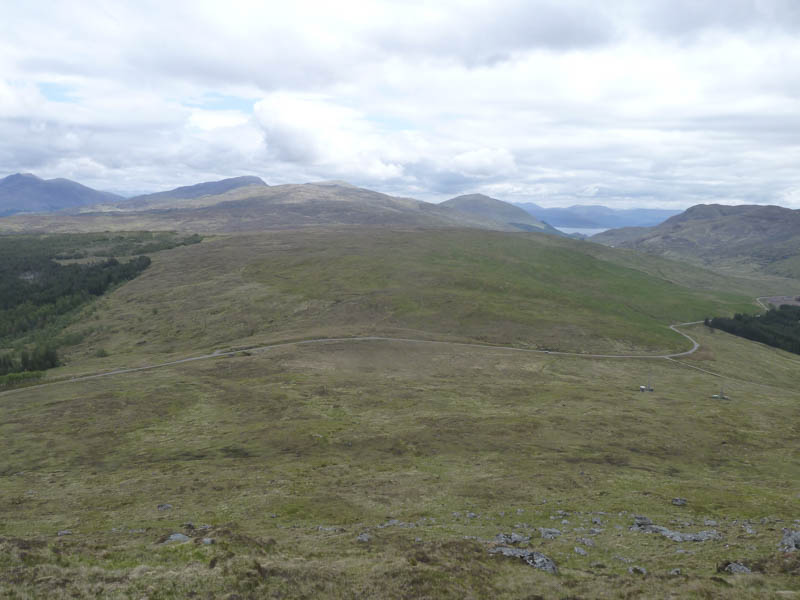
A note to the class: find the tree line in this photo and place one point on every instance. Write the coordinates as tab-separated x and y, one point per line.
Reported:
39	294
778	327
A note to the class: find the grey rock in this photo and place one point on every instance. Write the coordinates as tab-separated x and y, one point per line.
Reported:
364	537
710	523
645	525
331	529
549	534
586	541
623	559
735	567
790	541
177	538
581	551
597	520
531	557
513	538
595	531
64	532
637	570
675	572
208	541
472	515
164	506
679	501
749	530
395	523
564	522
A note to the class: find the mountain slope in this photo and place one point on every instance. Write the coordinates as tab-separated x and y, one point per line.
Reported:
261	207
497	210
736	238
597	216
23	192
189	192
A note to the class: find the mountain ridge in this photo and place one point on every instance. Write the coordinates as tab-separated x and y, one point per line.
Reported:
27	193
747	237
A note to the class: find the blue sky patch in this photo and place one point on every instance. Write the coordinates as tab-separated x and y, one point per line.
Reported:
57	92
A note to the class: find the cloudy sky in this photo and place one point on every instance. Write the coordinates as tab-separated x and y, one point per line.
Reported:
624	103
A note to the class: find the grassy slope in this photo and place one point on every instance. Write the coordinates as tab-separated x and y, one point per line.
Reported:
267	448
527	290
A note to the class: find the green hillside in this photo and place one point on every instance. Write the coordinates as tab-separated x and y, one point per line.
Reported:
388	468
527	290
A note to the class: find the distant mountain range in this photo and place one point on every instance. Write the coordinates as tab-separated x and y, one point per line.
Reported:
23	192
249	204
596	216
499	211
740	239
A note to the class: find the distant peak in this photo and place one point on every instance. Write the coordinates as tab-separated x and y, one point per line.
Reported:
23	176
334	182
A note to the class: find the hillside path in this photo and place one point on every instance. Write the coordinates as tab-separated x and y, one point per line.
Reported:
230	353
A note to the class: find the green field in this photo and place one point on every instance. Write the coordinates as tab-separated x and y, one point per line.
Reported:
431	450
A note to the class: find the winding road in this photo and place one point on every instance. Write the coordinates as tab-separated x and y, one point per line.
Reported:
230	353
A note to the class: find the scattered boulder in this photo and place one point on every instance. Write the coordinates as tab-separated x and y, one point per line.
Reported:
645	525
637	570
395	523
535	559
64	532
586	541
675	572
176	538
790	541
513	538
679	501
207	541
364	537
164	506
733	567
549	534
580	551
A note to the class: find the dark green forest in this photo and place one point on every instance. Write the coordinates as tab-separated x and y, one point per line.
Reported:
44	279
777	327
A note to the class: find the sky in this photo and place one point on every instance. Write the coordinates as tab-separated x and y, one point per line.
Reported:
640	103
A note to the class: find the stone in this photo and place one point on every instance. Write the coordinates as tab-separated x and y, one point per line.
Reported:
208	541
364	537
710	523
581	551
637	570
549	534
675	572
790	541
164	506
645	525
513	538
472	515
586	541
735	567
177	538
679	501
64	532
535	559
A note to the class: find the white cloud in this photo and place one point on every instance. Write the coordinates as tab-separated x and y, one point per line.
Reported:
556	102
